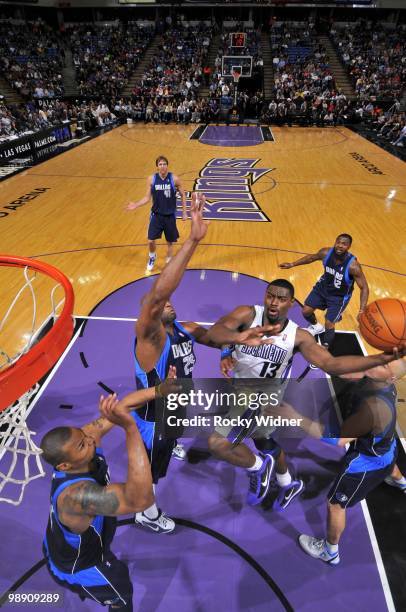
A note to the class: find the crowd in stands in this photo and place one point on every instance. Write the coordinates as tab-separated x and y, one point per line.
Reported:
304	89
17	120
175	74
105	56
375	57
304	92
389	125
31	59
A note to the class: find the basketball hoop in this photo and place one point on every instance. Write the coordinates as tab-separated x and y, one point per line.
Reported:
236	76
19	372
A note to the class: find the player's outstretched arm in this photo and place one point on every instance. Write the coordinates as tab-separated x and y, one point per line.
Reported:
359	277
144	200
307	259
149	329
87	498
171	275
390	373
200	334
234	328
321	358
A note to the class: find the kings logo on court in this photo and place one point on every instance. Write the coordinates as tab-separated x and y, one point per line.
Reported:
227	184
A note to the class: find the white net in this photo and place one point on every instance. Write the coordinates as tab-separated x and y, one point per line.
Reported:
9	356
20	461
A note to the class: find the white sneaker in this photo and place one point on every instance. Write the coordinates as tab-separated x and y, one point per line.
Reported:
162	524
179	452
316	329
151	263
168	259
318	549
392	482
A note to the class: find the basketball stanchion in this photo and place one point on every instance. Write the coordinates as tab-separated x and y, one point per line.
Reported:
19	374
236	74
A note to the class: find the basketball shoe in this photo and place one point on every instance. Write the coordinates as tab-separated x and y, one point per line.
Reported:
318	549
287	494
260	481
151	263
161	524
179	452
315	329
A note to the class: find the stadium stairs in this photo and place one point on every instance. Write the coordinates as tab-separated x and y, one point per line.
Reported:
69	75
213	51
343	82
142	66
268	66
11	96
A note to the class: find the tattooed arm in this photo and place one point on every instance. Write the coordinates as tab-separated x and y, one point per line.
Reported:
80	502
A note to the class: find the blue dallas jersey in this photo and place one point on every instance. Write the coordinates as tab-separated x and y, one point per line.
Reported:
373	451
178	351
70	553
163	193
336	280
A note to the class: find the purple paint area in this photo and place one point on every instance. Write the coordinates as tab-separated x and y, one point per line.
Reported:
232	136
190	570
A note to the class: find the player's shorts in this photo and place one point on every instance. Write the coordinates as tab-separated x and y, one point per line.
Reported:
332	304
159	447
108	583
163	223
350	488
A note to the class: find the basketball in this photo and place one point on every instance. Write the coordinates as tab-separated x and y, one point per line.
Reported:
383	323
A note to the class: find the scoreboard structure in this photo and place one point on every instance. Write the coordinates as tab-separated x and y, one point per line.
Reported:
238	39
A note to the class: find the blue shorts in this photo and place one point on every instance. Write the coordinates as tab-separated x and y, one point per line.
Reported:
159	448
108	583
334	305
349	489
163	223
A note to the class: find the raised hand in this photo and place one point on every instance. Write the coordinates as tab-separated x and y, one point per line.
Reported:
114	411
255	336
286	265
169	385
199	226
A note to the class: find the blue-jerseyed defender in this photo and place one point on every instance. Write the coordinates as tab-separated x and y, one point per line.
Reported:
84	504
333	290
161	188
161	342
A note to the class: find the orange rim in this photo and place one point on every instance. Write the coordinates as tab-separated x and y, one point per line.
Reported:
24	373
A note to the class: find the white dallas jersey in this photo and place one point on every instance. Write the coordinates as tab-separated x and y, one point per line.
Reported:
267	361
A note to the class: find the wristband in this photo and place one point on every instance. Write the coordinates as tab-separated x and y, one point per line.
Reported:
226	352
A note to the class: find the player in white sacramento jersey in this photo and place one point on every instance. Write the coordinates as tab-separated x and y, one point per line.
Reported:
253	358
